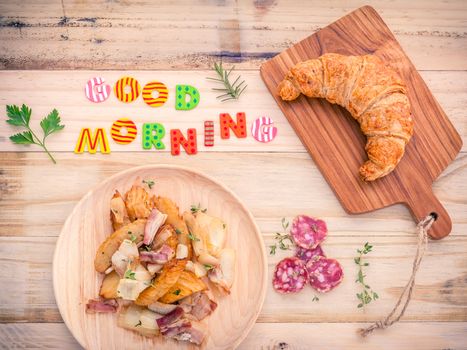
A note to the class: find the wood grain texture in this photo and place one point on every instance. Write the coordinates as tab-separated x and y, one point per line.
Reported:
36	197
337	145
275	336
66	91
128	35
76	281
294	185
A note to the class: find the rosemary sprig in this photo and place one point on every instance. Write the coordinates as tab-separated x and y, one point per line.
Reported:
367	295
281	239
231	91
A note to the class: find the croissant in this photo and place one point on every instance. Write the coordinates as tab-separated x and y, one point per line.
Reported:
371	91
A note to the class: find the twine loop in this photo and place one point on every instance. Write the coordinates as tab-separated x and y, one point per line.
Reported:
397	312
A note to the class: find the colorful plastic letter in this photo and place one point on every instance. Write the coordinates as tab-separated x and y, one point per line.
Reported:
127	96
153	133
96	91
181	102
227	123
116	131
189	143
87	138
263	129
162	90
209	133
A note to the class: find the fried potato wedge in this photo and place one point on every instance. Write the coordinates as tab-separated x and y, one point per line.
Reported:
162	284
186	285
118	212
138	203
167	206
109	286
107	248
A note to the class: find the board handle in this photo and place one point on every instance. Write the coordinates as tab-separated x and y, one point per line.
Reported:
423	202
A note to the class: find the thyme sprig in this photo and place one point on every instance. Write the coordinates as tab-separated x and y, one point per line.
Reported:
283	239
367	295
231	91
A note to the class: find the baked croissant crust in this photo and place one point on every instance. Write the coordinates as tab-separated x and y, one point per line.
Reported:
371	91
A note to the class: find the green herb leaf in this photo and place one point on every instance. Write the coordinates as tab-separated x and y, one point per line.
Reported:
133	238
367	295
193	237
177	231
208	267
129	275
150	183
18	117
196	208
23	138
51	123
283	240
177	292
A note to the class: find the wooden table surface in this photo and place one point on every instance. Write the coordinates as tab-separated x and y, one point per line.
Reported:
274	180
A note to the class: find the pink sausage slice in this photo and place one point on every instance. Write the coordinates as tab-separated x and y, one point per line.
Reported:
324	274
290	276
308	232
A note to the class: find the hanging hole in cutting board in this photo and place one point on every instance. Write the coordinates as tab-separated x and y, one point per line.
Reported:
434	215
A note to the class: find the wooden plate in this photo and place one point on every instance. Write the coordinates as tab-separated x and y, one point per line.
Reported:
76	281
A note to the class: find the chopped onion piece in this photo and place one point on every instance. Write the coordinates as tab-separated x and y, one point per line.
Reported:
205	258
155	220
161	308
182	251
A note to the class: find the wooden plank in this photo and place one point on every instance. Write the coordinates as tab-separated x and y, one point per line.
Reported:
334	141
275	336
32	212
45	90
111	35
294	185
27	294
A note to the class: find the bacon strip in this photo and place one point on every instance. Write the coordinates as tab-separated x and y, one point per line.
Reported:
101	306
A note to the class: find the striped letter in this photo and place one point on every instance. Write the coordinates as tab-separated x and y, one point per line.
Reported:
209	133
116	131
149	89
177	139
127	83
263	129
96	91
86	138
238	128
153	133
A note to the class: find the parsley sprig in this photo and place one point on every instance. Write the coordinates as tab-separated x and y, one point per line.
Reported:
21	117
367	295
231	91
283	240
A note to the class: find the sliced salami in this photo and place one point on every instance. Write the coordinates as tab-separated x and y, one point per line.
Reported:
308	232
309	254
324	274
290	276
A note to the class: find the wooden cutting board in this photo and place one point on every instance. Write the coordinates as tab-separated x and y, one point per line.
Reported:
333	137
